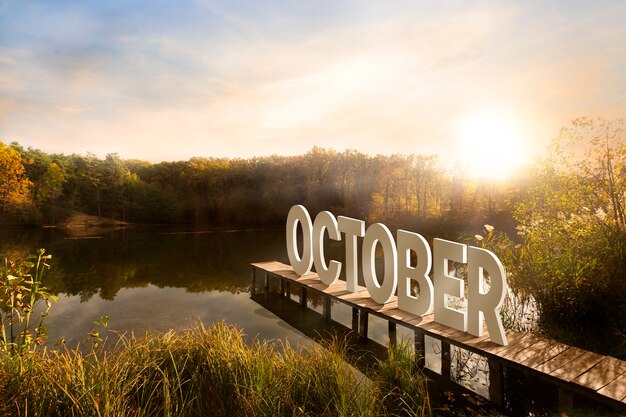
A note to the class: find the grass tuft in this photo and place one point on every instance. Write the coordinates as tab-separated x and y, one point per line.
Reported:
206	371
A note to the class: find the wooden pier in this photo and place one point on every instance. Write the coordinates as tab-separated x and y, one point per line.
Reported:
573	371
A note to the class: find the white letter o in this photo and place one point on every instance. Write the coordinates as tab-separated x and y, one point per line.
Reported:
379	233
301	265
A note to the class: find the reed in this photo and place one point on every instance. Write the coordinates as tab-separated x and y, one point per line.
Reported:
206	371
21	294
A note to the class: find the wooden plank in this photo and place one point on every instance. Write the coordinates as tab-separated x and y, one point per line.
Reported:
438	330
268	265
493	348
560	360
408	318
311	282
605	372
366	302
316	286
441	329
456	337
542	352
339	291
357	297
435	327
582	364
616	389
290	274
519	351
464	339
389	306
336	288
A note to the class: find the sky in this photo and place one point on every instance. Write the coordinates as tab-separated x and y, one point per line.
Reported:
163	80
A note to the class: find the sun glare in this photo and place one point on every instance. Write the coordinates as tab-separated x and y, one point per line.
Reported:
491	146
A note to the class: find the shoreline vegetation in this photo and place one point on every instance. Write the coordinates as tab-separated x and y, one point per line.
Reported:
201	371
560	225
208	371
46	189
565	256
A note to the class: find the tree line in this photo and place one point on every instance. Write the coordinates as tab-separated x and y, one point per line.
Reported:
38	188
565	264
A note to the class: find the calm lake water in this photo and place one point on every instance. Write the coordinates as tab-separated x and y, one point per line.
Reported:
157	280
148	279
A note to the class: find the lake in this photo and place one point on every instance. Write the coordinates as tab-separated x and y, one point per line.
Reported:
155	279
152	279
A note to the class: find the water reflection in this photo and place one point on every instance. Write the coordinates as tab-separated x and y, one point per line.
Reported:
362	354
161	309
148	279
136	258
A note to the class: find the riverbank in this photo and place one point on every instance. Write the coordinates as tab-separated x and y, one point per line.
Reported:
212	371
209	372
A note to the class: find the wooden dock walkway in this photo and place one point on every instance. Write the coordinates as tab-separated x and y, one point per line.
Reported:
572	370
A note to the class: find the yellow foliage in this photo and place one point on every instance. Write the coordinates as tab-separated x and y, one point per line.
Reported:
14	185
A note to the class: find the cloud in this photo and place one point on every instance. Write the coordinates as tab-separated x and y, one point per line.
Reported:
249	78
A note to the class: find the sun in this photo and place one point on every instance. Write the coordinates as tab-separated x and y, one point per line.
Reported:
490	145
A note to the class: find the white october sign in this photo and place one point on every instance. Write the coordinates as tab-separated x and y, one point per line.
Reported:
399	272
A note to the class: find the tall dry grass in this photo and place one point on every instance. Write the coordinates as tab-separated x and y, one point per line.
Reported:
207	371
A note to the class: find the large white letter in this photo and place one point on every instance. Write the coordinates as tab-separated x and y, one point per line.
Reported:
325	221
445	284
352	228
486	303
298	214
407	242
378	233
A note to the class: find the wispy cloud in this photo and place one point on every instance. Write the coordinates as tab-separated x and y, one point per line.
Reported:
247	77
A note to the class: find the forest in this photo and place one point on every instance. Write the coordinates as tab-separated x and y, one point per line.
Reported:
565	249
37	188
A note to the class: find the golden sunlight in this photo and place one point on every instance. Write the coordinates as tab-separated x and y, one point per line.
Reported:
490	145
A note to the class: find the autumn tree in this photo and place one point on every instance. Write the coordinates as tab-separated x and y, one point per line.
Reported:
14	186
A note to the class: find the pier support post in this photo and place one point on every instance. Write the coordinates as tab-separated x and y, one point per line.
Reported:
420	349
303	296
393	338
288	289
363	319
282	287
355	319
267	283
496	382
566	398
327	304
445	359
253	287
